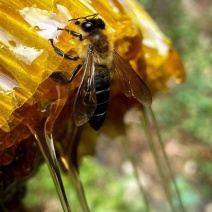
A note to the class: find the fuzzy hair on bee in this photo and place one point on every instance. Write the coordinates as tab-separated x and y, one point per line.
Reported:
99	60
102	51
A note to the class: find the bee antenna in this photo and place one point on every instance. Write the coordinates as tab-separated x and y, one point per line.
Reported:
77	22
93	16
84	17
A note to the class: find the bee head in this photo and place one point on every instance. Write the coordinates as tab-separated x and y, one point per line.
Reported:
91	24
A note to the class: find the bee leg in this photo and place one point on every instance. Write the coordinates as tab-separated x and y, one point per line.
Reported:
61	53
71	32
59	77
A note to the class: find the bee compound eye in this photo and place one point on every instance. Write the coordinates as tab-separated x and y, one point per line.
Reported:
88	26
93	24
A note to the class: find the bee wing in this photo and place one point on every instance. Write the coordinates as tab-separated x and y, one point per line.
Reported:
132	84
85	101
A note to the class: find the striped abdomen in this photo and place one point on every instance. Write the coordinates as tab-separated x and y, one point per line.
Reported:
102	81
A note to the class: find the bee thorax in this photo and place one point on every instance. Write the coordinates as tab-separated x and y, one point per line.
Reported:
102	47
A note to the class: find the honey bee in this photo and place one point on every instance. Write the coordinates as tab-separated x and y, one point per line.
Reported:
99	60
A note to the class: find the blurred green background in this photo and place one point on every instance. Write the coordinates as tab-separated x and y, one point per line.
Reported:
184	115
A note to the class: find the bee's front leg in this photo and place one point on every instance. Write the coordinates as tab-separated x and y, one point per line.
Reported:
61	53
59	77
71	32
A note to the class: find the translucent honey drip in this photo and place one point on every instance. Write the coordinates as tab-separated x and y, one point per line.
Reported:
148	120
46	144
70	166
151	121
